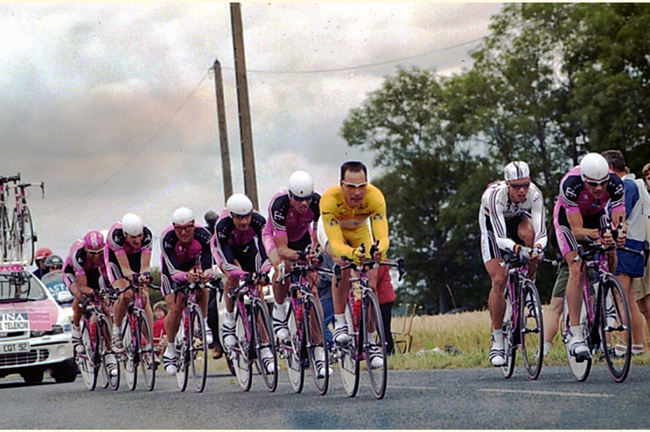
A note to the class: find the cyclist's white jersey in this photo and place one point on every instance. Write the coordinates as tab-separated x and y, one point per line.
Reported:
496	209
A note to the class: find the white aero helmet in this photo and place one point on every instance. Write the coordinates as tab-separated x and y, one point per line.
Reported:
301	184
594	168
239	204
182	216
132	224
516	170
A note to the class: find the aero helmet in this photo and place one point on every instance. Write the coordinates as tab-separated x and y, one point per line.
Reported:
94	241
132	224
182	216
239	204
594	168
301	184
516	170
42	253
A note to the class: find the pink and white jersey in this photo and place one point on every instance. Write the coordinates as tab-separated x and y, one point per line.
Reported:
574	196
77	261
115	240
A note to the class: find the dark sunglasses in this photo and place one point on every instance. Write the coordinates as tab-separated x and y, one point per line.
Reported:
519	186
97	252
596	184
56	267
300	199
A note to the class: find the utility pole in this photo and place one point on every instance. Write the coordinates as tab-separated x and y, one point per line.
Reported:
223	131
245	130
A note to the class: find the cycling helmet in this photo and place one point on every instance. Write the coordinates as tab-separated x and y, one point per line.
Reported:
54	260
182	216
94	241
301	184
132	224
239	204
516	170
42	253
594	168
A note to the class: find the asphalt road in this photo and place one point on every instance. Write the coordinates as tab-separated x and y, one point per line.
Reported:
433	399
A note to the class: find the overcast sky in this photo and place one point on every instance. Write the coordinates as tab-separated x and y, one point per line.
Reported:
113	105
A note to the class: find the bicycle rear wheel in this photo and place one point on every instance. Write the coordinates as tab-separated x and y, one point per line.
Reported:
5	233
374	344
615	329
110	365
531	329
146	358
314	329
264	330
348	361
129	362
86	361
180	342
509	347
292	350
580	370
241	352
27	237
198	348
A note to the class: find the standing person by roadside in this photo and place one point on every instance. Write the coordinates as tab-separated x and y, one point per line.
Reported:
324	286
386	297
39	258
630	266
641	285
211	218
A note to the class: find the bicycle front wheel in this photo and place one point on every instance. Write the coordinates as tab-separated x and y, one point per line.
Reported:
292	350
314	329
146	354
181	351
129	354
27	237
241	352
198	348
86	360
348	360
615	329
374	344
110	365
5	233
580	370
531	328
265	345
509	347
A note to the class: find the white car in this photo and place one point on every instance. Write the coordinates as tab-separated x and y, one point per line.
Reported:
35	332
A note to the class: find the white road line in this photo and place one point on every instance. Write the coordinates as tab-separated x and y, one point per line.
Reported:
540	392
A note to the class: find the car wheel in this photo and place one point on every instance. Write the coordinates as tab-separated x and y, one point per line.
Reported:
32	376
64	372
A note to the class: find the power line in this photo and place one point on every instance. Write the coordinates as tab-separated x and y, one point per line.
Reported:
119	170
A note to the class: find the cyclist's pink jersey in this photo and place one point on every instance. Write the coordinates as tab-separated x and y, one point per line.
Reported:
285	220
115	241
77	263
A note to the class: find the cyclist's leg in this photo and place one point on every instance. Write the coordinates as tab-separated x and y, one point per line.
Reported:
119	311
636	319
172	322
497	307
228	325
526	234
281	306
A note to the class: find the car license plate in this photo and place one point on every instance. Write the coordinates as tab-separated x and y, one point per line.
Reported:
14	347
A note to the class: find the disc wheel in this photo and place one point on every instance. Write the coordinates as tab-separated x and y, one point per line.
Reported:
265	344
182	373
531	329
86	360
580	370
110	365
509	348
614	326
316	344
374	344
198	347
241	353
129	354
292	350
146	354
348	362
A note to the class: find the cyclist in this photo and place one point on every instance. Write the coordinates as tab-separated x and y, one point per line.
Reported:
291	228
352	213
128	257
39	258
511	218
579	215
84	272
185	257
238	249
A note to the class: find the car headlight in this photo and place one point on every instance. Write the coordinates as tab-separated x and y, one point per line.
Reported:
56	329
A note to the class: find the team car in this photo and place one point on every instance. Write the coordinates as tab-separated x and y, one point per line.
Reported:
35	332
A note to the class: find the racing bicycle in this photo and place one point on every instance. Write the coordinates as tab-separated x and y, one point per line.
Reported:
5	226
364	321
23	236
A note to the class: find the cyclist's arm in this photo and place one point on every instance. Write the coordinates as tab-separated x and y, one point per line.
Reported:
539	225
284	251
82	285
169	260
580	232
332	228
145	261
499	226
123	261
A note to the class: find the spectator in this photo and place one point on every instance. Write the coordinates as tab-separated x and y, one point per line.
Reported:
210	218
641	285
41	254
160	310
386	297
324	286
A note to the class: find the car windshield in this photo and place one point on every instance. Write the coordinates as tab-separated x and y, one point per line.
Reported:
20	286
